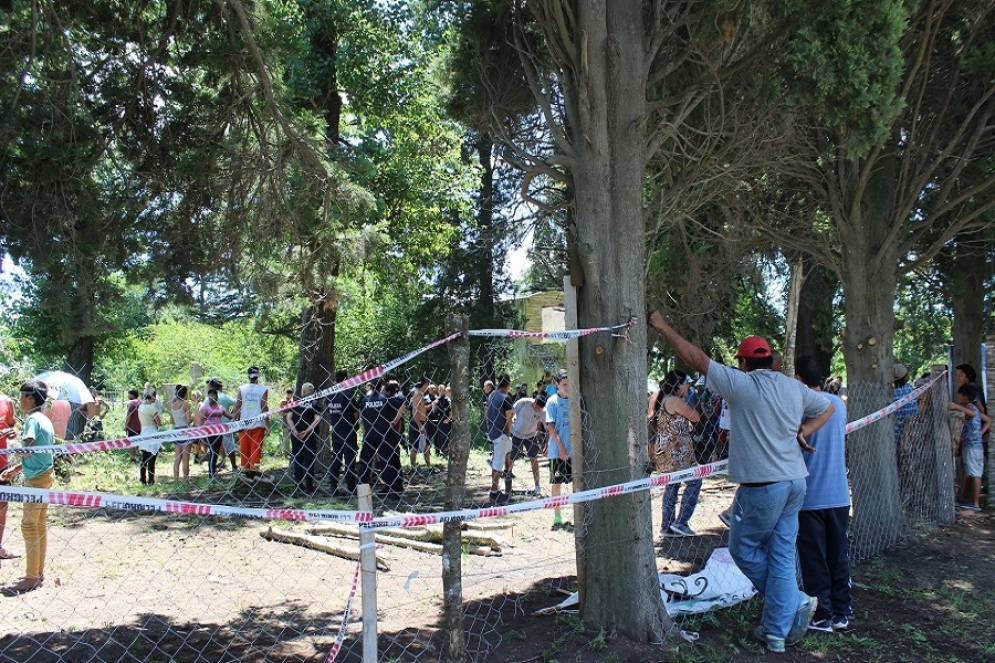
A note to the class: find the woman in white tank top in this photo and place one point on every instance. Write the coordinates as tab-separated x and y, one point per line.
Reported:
179	408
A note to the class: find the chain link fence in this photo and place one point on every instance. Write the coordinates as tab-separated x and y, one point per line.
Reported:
270	579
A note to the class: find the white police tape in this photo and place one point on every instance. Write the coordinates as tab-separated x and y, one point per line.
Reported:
365	519
195	433
156	505
340	638
863	422
420	520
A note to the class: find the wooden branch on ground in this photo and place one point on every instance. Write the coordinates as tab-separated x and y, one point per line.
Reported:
321	544
425	539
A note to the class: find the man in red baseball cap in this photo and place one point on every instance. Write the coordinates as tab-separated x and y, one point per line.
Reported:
770	415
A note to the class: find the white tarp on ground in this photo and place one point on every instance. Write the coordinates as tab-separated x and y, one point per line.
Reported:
719	585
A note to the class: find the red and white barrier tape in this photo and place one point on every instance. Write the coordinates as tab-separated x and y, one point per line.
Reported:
364	518
863	422
340	638
191	434
156	505
419	520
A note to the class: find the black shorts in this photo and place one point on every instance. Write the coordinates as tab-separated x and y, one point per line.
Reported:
560	471
530	445
417	439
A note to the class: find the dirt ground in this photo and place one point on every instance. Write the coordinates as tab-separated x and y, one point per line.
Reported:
124	586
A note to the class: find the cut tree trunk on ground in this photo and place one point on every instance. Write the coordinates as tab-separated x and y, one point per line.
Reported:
428	534
321	544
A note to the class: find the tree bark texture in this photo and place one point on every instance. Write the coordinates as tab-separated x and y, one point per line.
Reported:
869	258
485	245
815	335
454	646
606	107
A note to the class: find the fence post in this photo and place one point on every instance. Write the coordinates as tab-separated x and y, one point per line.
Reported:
454	647
946	472
576	437
368	566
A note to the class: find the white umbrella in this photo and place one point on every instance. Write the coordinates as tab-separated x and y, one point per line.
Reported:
64	386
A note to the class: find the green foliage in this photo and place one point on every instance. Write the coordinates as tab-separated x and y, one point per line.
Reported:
844	60
163	352
924	330
378	322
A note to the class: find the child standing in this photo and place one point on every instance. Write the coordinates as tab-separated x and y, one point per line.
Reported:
558	450
976	424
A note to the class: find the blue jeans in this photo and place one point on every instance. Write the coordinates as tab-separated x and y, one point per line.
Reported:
688	503
762	542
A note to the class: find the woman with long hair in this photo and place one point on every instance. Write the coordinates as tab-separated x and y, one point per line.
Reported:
148	415
674	451
179	410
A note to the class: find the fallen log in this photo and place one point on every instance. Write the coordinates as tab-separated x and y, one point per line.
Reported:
321	544
427	534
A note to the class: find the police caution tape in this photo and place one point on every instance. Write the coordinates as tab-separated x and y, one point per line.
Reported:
863	422
195	433
155	505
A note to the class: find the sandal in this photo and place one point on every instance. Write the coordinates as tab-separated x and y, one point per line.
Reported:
7	554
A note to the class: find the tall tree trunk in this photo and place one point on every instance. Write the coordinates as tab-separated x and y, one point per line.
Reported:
869	285
81	329
816	335
317	345
80	359
791	318
485	313
609	103
967	299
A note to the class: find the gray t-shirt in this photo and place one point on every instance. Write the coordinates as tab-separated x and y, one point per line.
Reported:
765	411
527	420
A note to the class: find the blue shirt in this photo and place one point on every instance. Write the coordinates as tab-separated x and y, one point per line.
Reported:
970	433
498	406
904	412
558	414
826	481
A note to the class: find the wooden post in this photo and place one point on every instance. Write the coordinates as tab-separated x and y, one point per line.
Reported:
454	645
368	578
576	436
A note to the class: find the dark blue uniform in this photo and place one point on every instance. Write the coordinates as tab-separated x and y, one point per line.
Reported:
343	414
381	441
443	414
304	452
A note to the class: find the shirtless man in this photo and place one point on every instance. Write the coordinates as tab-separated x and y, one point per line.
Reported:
417	432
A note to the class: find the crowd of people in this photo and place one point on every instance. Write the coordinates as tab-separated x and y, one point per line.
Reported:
792	503
786	443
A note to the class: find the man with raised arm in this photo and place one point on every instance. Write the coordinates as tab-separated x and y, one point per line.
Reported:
771	415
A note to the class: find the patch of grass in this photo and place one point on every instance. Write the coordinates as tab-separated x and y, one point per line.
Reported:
574	625
862	641
512	636
600	641
914	633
